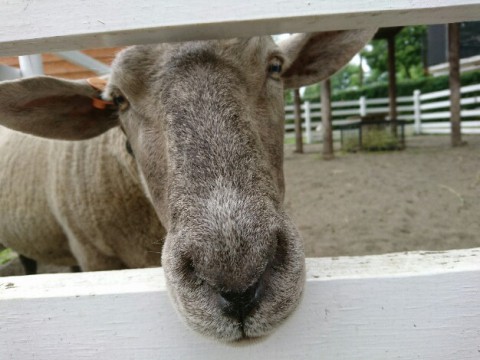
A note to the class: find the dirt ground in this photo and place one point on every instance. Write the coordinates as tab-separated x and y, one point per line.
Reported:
426	197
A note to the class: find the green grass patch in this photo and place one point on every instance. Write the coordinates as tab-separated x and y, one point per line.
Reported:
291	140
6	255
374	139
380	140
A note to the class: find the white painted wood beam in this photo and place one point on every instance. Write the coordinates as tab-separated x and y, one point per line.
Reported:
31	26
83	60
31	65
422	305
9	73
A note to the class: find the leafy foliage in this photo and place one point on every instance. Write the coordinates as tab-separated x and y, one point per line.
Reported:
6	255
351	76
351	83
404	88
409	45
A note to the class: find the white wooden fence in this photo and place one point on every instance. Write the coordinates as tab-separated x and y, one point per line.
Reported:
397	306
428	113
403	306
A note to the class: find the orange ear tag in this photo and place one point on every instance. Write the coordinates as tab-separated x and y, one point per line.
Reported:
100	103
99	84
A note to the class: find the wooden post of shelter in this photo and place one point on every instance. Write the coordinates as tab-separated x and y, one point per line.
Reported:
389	34
454	62
392	84
327	120
297	108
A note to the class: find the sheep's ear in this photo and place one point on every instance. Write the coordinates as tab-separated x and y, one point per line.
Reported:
54	108
316	56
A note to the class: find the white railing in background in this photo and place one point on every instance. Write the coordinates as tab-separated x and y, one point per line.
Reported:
31	65
9	73
427	113
85	61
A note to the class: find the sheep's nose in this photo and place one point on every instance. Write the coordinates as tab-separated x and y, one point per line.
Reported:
239	305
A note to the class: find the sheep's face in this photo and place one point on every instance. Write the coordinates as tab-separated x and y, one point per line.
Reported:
205	122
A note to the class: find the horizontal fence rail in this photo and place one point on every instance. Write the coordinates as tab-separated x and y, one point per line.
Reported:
28	27
420	305
427	113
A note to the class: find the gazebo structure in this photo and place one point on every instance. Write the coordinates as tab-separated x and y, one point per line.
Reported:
389	34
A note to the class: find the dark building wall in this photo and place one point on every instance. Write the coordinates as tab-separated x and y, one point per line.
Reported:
437	48
436	44
470	39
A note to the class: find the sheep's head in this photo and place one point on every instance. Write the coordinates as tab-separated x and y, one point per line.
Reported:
205	123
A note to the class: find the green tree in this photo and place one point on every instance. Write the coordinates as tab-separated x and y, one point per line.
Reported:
409	45
350	77
347	78
409	64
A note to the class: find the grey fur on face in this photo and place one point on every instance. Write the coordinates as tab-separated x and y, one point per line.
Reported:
234	262
205	123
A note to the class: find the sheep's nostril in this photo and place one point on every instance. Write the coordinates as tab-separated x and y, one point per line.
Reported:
240	304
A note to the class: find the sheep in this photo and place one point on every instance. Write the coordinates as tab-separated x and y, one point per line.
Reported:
203	183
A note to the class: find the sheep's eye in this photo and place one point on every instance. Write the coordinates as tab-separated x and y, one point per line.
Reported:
275	68
121	102
129	148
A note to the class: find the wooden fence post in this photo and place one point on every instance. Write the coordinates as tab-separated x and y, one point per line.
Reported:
297	108
308	121
392	85
363	105
327	120
454	78
417	112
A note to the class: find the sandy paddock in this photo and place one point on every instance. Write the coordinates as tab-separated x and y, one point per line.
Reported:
426	197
